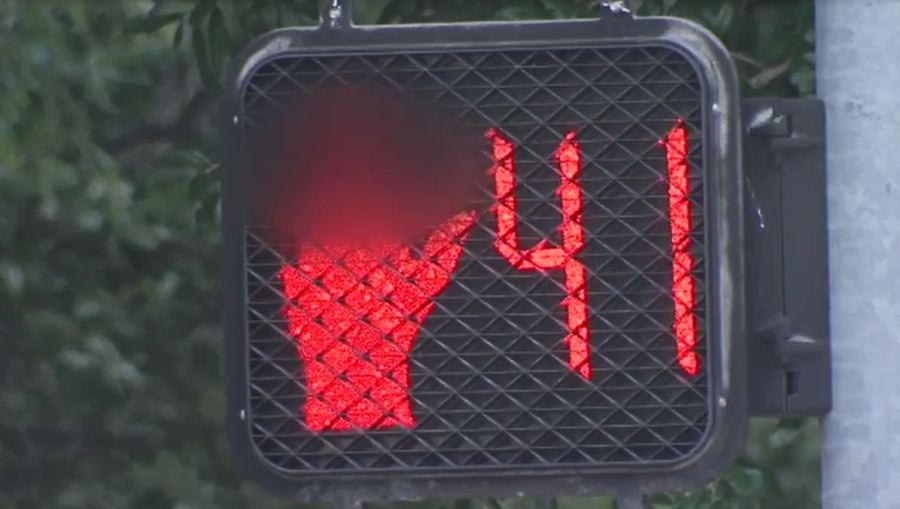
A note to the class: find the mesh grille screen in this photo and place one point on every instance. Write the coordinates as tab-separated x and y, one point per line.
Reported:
489	384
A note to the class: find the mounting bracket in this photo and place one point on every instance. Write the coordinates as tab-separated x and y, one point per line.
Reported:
787	257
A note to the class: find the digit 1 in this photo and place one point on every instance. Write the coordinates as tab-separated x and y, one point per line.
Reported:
541	257
684	321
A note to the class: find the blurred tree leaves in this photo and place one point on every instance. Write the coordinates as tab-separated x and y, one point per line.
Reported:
112	392
111	379
771	40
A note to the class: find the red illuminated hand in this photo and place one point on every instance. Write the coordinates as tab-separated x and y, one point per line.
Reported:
355	315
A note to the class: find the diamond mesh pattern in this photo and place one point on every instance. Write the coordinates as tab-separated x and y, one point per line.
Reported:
489	382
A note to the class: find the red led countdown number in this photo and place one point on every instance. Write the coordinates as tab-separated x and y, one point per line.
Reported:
541	257
685	327
355	314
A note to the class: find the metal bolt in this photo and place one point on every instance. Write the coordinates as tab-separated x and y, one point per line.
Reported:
243	415
723	402
235	119
616	7
335	13
761	119
716	108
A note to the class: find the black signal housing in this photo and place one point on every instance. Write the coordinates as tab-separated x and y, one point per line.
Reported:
640	423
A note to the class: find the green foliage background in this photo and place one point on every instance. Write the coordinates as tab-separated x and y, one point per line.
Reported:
111	363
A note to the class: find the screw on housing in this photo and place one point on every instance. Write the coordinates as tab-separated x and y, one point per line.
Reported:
615	8
337	14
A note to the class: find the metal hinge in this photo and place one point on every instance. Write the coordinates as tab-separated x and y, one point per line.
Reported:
787	257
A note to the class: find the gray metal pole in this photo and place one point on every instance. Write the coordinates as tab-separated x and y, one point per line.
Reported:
858	75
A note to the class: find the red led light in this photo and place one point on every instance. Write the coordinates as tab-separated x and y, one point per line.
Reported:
355	315
685	328
541	257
